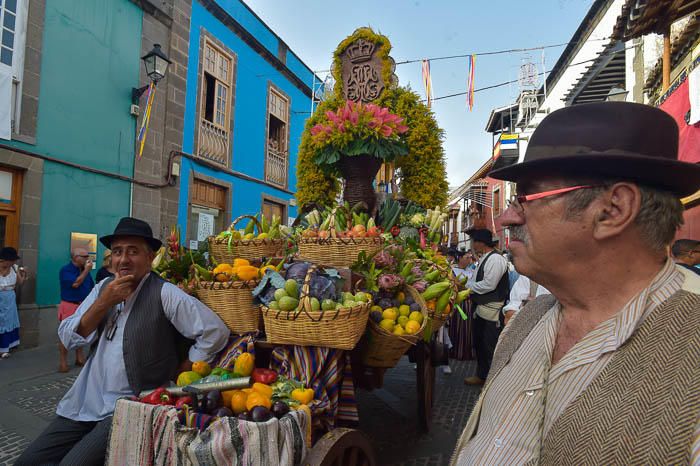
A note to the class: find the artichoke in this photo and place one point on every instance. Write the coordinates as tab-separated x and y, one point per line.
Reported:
389	281
420	285
384	260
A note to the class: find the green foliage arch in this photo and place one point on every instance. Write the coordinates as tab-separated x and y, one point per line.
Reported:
422	169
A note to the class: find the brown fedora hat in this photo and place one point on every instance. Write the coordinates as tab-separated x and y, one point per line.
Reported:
612	139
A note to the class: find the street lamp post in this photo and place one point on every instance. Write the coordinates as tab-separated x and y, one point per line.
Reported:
156	63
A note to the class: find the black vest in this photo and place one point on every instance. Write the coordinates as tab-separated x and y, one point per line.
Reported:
502	291
152	347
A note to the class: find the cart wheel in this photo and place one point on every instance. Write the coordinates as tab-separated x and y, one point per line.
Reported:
425	383
342	447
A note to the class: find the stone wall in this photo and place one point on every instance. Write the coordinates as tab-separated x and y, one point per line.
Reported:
167	24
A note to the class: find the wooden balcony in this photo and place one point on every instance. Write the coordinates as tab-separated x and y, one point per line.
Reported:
276	167
213	143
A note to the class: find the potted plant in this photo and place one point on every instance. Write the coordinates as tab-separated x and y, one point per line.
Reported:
353	142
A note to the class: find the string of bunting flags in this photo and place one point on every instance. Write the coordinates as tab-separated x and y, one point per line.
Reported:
143	131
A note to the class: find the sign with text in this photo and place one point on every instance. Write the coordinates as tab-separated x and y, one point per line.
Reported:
205	226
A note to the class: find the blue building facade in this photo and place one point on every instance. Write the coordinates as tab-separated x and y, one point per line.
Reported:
247	98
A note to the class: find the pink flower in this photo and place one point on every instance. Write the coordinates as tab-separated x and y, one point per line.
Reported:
331	116
341	127
374	123
354	117
386	131
401	129
317	129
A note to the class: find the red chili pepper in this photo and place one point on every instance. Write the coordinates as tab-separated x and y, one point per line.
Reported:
395	230
159	396
266	376
184	400
422	232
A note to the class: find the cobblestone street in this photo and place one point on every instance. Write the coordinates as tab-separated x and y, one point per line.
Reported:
30	388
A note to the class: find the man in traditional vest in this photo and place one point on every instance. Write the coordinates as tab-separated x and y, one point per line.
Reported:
137	324
490	288
605	370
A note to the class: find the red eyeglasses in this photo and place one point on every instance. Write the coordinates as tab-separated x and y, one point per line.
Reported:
518	201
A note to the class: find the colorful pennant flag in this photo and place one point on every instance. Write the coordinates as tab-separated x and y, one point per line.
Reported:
471	63
427	82
143	131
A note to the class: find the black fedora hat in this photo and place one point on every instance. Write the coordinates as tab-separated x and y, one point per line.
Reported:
129	226
483	235
8	254
611	139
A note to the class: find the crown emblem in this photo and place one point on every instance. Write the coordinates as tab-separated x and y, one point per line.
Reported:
360	50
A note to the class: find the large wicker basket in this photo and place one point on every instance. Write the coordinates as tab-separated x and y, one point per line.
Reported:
334	251
380	348
224	251
337	252
338	328
233	302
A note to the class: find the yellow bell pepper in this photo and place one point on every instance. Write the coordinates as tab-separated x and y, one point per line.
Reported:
244	365
303	395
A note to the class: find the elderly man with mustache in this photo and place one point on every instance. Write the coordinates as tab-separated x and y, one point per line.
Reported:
604	370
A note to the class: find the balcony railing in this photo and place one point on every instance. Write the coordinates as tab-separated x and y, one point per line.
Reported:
213	143
276	167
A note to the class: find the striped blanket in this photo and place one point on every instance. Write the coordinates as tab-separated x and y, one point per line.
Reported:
150	435
327	371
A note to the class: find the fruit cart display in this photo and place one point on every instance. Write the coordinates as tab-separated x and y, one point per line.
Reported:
365	287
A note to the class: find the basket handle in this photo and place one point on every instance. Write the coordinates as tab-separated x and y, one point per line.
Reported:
253	218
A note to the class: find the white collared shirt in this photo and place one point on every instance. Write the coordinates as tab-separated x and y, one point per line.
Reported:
103	380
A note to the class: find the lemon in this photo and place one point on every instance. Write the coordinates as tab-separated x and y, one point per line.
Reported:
412	327
398	330
402	320
387	324
404	310
262	236
390	313
416	316
376	308
249	236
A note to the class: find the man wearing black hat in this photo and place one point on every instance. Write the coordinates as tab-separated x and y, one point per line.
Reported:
137	324
604	370
489	287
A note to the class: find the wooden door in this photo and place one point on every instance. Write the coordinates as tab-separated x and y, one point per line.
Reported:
270	207
10	200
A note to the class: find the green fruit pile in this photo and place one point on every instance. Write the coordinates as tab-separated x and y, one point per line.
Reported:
287	299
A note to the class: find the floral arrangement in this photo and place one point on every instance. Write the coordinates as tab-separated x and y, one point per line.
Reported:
357	129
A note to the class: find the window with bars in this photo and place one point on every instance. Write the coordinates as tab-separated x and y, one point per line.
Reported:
276	150
13	18
215	104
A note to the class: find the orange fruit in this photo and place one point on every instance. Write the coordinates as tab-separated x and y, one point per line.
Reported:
238	401
202	368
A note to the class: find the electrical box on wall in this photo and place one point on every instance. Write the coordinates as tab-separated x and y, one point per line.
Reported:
134	110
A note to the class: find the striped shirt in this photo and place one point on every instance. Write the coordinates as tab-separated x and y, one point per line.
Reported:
511	415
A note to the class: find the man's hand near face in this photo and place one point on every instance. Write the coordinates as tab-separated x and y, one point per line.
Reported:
115	292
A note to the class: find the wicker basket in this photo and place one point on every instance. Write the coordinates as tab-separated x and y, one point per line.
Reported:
233	302
224	251
335	251
380	348
339	328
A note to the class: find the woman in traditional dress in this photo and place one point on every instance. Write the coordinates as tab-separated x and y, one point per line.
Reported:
10	278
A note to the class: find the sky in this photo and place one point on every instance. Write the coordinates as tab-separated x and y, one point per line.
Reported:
438	28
